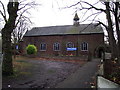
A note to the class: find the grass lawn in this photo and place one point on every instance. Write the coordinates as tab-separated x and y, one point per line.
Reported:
21	66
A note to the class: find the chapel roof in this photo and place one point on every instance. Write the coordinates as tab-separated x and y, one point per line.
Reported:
65	30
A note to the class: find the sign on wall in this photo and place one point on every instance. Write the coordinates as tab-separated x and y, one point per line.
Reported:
17	47
71	49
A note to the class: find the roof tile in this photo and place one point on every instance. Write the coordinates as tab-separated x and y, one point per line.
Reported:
66	29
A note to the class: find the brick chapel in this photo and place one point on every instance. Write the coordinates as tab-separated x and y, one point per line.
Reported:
66	40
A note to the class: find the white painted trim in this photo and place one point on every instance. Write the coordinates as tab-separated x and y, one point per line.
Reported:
81	46
40	46
53	47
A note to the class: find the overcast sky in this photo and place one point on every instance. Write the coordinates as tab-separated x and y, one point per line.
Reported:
51	12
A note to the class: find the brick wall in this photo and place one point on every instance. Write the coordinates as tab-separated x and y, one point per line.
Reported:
93	40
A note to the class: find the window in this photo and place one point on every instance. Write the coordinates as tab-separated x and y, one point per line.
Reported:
84	46
70	45
43	47
56	46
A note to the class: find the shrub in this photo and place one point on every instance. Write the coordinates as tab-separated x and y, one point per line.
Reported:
31	49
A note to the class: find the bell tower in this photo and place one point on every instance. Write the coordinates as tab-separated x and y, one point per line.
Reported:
76	20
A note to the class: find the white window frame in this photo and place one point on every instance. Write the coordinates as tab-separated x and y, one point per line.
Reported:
45	47
84	46
58	46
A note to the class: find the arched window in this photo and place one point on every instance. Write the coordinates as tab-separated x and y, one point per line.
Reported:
69	45
43	47
56	46
84	46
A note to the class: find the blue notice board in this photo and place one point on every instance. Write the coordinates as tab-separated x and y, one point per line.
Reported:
71	49
16	46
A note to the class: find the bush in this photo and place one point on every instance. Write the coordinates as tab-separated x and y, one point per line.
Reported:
31	49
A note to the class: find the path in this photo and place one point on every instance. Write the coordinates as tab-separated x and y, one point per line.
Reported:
82	77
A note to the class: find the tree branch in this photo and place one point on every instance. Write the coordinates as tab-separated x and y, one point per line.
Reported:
4	12
92	6
91	15
21	14
101	23
31	4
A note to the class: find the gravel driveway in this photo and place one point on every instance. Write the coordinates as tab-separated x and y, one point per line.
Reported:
42	74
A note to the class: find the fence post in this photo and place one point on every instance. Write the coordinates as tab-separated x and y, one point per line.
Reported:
107	64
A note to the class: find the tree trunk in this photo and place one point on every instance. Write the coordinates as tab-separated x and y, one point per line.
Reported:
112	40
7	52
117	26
7	68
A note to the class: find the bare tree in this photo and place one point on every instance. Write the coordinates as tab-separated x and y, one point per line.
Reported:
0	43
15	11
111	11
9	26
110	31
22	27
117	22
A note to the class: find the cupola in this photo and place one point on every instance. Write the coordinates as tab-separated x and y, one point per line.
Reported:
76	20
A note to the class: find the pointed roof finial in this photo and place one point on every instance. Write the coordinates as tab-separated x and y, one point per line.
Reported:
76	18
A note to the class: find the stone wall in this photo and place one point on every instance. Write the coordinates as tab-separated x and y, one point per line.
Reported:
103	83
